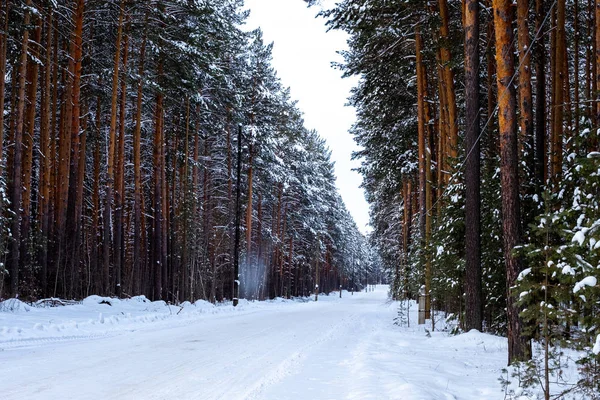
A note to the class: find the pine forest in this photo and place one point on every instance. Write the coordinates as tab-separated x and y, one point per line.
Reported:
479	123
150	148
121	128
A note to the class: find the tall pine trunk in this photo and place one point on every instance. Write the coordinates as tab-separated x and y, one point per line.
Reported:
525	91
29	144
448	83
3	50
110	157
474	309
518	347
137	174
46	154
15	187
249	207
77	149
540	96
120	177
596	79
157	232
558	81
423	185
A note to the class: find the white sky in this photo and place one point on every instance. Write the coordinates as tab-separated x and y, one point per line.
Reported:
302	55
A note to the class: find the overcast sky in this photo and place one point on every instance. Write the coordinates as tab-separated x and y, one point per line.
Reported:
302	55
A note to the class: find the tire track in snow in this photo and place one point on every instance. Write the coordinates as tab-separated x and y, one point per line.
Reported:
292	364
29	343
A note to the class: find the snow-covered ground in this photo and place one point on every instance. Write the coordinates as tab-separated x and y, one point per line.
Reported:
335	348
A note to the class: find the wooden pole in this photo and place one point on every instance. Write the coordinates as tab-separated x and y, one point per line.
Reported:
236	250
317	272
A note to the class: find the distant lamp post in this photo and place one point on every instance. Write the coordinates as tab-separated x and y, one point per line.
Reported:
236	249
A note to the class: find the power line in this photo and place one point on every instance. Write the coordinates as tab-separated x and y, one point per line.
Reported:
489	119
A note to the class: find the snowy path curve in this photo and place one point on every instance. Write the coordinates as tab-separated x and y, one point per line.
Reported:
331	349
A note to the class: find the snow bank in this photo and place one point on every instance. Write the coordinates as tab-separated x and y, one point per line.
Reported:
55	319
474	339
14	306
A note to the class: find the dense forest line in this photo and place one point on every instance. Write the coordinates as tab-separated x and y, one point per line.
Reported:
136	136
479	125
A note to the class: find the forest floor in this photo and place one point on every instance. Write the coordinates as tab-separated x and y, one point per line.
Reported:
346	348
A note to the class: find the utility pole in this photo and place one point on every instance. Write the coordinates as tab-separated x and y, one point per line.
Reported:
236	249
317	270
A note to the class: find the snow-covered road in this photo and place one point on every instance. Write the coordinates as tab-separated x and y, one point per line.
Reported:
331	349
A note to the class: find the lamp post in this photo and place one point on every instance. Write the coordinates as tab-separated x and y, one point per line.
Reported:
236	248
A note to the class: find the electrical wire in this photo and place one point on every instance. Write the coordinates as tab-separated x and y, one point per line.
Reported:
489	119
